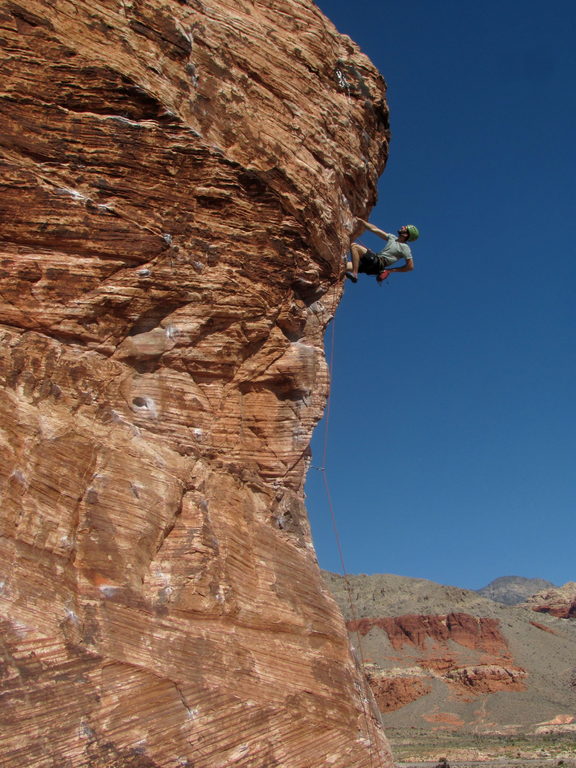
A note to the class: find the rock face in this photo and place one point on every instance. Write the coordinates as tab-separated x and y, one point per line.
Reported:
481	635
557	601
445	658
179	183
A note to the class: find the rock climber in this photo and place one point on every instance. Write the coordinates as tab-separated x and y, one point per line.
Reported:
379	264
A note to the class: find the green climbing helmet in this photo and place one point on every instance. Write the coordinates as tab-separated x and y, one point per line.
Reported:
413	233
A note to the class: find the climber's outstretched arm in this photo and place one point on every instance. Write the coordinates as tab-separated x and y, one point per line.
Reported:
375	230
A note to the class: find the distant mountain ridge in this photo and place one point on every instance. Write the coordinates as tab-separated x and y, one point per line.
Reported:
513	590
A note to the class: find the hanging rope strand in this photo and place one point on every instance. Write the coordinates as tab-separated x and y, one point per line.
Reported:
370	728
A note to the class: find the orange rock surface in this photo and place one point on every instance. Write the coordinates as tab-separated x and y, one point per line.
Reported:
179	183
393	693
478	679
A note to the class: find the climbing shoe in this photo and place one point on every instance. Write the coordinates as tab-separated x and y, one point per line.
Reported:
350	276
382	276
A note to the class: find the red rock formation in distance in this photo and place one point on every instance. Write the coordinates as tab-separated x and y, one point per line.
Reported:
179	181
393	693
467	653
557	601
479	634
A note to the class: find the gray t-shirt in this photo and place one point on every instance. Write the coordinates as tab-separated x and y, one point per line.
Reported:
393	251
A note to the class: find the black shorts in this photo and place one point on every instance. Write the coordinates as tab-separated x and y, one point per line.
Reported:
370	263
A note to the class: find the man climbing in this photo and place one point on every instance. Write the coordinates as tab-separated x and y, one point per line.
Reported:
370	263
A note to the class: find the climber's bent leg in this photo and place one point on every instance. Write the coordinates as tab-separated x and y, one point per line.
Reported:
357	252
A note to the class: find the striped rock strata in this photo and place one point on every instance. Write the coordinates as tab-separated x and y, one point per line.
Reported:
179	182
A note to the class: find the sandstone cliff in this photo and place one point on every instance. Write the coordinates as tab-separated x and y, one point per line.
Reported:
179	182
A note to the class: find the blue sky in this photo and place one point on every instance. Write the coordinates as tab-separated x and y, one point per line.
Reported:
451	442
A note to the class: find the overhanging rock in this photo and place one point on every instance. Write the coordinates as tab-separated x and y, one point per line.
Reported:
179	183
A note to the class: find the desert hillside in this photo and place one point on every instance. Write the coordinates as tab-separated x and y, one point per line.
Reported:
441	657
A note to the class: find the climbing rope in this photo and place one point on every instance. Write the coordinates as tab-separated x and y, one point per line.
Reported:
322	469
